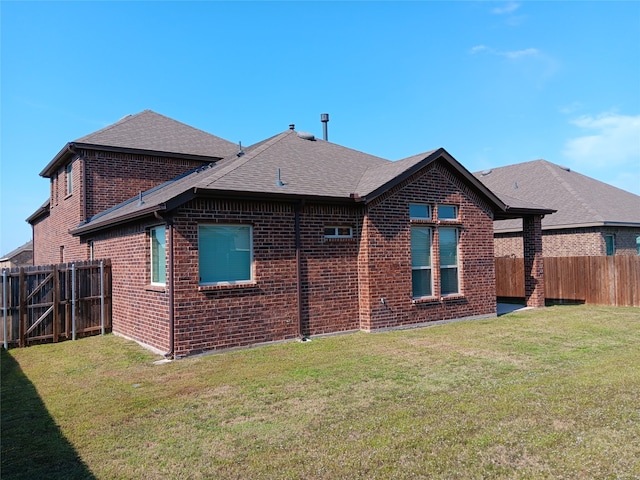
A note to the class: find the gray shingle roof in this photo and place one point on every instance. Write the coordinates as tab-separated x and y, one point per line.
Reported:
149	131
27	247
312	169
578	199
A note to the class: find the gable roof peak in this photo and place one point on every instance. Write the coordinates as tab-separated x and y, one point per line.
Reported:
148	131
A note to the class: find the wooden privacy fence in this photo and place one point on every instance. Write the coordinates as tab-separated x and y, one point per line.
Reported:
613	280
55	302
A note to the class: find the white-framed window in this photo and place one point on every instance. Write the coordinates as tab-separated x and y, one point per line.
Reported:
449	282
638	244
225	254
158	255
447	212
69	175
421	271
338	232
419	211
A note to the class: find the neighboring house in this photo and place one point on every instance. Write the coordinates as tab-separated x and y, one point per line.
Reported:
20	257
289	238
593	218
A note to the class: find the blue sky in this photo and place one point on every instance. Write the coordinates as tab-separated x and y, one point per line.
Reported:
494	83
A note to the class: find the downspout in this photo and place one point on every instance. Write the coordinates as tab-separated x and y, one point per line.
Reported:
297	208
170	276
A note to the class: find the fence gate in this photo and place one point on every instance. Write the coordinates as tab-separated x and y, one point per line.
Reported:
55	302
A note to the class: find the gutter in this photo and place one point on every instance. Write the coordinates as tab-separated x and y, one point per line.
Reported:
92	227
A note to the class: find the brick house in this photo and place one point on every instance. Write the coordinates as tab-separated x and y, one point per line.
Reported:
592	219
289	238
20	257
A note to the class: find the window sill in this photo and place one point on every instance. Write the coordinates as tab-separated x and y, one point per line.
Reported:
156	288
68	195
453	296
422	221
425	300
444	298
226	286
339	239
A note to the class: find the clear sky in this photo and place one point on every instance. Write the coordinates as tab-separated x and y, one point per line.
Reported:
494	83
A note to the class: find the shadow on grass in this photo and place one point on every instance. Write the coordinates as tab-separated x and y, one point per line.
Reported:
31	445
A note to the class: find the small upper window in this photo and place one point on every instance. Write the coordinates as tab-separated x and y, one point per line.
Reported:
69	172
638	245
418	211
447	212
338	232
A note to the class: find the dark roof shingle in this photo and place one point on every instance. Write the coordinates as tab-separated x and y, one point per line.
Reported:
578	199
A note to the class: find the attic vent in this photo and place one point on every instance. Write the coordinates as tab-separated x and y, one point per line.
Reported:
306	136
486	172
566	169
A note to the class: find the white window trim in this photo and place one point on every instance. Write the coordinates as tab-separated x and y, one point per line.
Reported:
249	281
455	208
426	267
452	266
151	236
336	229
429	211
69	178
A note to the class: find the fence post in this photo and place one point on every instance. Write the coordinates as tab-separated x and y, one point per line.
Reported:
73	301
4	308
22	294
101	297
56	301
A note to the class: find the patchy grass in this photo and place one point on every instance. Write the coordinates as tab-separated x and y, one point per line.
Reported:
550	393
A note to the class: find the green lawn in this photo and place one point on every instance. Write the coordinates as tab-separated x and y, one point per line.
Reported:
551	393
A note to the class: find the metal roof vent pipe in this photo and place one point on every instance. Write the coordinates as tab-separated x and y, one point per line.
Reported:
324	118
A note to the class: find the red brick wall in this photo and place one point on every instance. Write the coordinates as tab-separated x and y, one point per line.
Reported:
110	179
210	318
385	255
113	177
139	311
568	242
329	270
52	232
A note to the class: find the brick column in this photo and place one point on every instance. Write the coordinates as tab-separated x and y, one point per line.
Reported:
533	264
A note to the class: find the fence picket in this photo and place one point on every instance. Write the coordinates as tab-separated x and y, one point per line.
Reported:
39	302
592	280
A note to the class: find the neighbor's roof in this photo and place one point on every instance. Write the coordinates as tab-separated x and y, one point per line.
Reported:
148	132
580	201
287	166
27	247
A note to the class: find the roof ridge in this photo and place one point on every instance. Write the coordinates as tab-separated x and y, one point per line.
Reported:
238	162
567	186
117	123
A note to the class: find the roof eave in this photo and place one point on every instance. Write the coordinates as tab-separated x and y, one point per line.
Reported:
496	203
70	149
93	227
512	213
40	212
572	225
176	202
